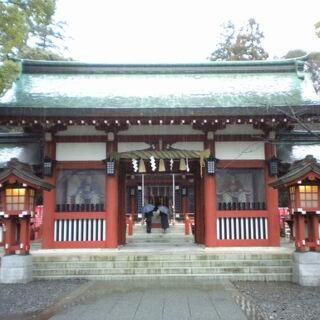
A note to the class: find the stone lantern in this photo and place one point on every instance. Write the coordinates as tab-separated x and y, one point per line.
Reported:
18	187
303	183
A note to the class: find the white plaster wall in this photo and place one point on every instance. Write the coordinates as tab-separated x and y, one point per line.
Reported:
192	145
239	129
132	146
81	131
79	151
240	150
179	129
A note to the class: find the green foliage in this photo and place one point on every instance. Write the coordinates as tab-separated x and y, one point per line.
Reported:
317	26
13	29
296	53
240	45
41	54
44	30
27	30
314	68
9	71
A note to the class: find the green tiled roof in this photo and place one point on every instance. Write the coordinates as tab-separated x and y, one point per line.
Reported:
211	85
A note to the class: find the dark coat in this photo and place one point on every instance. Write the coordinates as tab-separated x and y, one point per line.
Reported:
164	221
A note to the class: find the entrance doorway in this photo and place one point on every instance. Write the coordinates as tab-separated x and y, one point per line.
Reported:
175	191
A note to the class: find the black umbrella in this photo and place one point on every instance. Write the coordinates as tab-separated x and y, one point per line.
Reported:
164	209
148	208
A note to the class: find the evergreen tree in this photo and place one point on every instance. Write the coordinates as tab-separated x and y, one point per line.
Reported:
225	49
317	26
240	45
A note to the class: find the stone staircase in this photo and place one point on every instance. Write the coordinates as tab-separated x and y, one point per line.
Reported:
156	265
174	235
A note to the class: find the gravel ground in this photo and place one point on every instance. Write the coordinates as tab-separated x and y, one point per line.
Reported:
17	300
282	300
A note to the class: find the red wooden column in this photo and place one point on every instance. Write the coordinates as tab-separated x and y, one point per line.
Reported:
24	235
300	231
313	221
9	236
49	201
133	206
210	204
199	209
184	208
272	201
112	195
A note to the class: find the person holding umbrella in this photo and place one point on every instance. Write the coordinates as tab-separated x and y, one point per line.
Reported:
147	210
164	217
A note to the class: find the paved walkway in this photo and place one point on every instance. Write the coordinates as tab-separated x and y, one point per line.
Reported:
216	301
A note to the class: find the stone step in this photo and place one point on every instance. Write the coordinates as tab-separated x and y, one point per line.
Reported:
159	264
162	271
159	240
181	277
159	235
152	265
159	257
159	231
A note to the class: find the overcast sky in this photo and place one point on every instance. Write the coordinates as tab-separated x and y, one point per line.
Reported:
180	30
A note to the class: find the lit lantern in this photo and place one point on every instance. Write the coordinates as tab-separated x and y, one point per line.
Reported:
303	183
19	198
18	187
304	197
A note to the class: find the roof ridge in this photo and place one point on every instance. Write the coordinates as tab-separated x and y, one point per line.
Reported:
42	66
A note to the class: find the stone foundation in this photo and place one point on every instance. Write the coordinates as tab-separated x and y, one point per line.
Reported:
306	268
16	269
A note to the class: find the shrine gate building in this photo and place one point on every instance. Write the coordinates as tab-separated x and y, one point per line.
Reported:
198	138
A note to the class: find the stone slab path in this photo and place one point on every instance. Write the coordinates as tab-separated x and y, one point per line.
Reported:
150	302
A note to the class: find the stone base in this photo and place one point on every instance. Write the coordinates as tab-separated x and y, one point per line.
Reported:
16	269
306	268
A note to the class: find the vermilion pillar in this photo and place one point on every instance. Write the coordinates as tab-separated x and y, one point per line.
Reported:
184	207
133	206
112	198
313	221
209	210
300	231
24	235
9	236
48	218
210	207
272	201
49	202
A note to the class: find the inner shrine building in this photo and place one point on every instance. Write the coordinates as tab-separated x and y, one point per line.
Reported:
198	138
